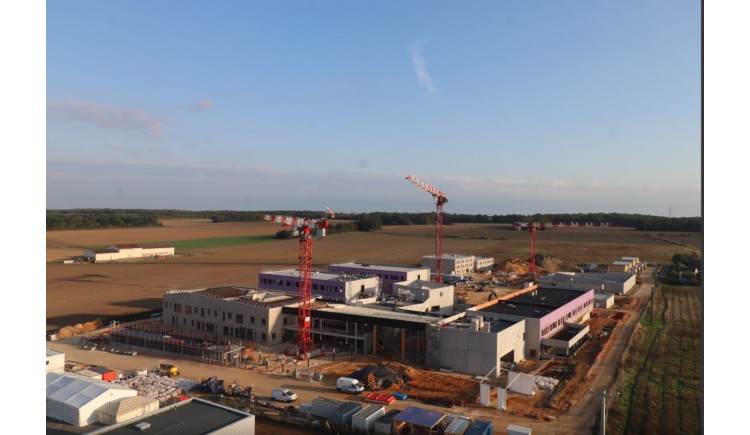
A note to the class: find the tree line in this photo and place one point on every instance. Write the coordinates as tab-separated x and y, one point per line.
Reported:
116	218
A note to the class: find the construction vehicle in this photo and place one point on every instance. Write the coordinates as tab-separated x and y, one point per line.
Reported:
170	370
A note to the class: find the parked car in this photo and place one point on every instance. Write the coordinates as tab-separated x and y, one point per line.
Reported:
283	395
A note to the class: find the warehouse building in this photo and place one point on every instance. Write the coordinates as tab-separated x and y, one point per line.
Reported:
388	274
332	286
127	251
231	311
190	417
603	301
459	264
617	283
127	409
76	400
553	318
474	345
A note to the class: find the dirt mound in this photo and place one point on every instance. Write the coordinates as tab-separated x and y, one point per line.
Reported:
551	264
382	376
513	265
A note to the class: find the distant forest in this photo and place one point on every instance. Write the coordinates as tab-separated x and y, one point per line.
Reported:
75	219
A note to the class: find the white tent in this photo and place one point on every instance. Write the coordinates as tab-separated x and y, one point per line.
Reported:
76	399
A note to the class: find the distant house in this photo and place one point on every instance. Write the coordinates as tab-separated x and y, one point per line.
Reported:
128	250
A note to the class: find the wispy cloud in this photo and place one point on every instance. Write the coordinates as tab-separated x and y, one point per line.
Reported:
206	104
420	67
105	116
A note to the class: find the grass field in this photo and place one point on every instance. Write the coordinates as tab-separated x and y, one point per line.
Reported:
661	390
234	253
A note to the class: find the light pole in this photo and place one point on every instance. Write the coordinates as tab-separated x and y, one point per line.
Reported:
604	396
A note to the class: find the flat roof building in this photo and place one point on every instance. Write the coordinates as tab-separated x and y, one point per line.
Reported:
547	312
608	283
231	311
425	297
388	274
332	286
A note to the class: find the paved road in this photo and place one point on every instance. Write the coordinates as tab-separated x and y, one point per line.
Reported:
578	419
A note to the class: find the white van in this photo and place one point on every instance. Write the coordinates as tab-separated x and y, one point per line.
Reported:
349	385
283	395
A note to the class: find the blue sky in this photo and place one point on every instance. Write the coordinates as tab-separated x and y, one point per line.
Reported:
507	106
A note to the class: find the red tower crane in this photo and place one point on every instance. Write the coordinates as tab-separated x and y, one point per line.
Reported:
441	199
302	227
532	227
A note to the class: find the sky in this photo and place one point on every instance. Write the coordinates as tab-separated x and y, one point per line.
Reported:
506	106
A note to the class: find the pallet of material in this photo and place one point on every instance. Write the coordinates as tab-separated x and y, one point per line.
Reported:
384	399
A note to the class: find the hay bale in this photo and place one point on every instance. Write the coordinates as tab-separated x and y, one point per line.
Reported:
89	326
78	329
66	332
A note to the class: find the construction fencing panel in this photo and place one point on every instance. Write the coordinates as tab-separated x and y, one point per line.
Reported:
521	383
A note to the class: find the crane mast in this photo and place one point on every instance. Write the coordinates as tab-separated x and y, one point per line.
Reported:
441	199
302	228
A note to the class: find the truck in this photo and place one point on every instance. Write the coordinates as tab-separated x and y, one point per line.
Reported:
349	385
170	370
283	395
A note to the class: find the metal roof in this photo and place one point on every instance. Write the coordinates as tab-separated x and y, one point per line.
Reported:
191	417
420	417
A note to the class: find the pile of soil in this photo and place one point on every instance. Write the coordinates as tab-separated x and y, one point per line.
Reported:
382	376
513	265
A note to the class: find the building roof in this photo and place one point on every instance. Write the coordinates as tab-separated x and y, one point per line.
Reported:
537	303
103	251
191	417
450	256
368	410
157	246
621	263
382	316
375	266
51	352
317	275
244	295
420	417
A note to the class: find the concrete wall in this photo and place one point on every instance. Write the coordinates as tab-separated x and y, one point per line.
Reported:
256	320
478	352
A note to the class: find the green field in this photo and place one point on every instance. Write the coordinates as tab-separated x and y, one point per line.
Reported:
211	242
661	388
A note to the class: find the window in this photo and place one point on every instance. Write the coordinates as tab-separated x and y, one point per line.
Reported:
188	309
240	318
263	337
273	336
252	319
177	308
203	312
229	316
210	327
285	320
263	321
184	321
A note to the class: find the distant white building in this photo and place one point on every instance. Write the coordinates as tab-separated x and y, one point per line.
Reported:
129	250
458	264
606	283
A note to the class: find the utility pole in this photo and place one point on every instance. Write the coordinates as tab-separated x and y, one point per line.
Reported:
604	396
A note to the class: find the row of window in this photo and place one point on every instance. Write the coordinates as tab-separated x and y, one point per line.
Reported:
242	333
282	283
560	321
189	310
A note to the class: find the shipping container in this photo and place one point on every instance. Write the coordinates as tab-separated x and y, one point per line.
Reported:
384	424
89	374
342	417
458	426
108	375
323	406
365	419
480	427
518	430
